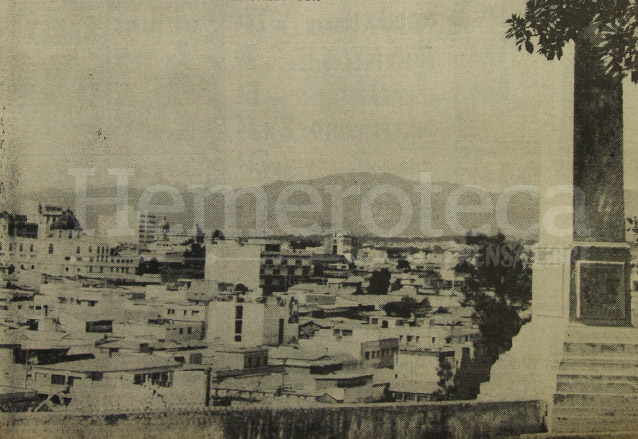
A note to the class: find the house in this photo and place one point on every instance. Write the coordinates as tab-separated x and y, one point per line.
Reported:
122	381
413	390
349	387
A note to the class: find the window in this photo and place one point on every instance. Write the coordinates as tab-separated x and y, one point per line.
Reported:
238	326
21	247
448	339
367	355
90	249
239	312
30	248
50	249
189	330
181	331
238	338
58	379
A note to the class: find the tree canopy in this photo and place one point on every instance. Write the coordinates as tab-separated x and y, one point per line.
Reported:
547	25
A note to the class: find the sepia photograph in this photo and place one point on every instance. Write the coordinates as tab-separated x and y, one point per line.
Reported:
318	219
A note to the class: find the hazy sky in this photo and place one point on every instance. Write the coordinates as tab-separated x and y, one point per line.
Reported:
247	92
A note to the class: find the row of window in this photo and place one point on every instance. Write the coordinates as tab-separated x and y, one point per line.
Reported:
171	311
189	330
416	338
20	247
101	250
283	261
163	379
380	353
126	270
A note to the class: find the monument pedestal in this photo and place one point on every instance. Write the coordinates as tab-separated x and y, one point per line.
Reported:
600	293
579	353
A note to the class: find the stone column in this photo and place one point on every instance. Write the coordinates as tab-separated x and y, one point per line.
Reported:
600	292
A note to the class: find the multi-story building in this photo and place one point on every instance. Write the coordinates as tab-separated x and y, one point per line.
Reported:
147	228
234	262
341	245
281	269
143	228
44	215
65	251
257	321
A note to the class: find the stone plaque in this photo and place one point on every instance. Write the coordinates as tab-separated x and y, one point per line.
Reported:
601	291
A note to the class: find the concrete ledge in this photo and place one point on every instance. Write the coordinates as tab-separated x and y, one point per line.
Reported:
462	420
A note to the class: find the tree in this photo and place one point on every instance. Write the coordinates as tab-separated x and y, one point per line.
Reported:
379	282
405	307
547	25
446	375
218	235
402	264
396	285
498	288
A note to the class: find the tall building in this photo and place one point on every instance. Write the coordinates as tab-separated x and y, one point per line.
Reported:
234	262
253	321
65	251
341	245
280	269
147	228
143	226
44	215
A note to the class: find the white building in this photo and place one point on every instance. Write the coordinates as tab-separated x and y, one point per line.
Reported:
234	262
252	322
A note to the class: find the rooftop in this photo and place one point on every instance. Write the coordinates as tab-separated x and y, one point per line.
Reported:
117	363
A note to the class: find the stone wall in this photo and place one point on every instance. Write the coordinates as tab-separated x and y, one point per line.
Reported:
462	420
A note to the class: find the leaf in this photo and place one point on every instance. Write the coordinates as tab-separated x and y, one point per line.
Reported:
529	46
631	221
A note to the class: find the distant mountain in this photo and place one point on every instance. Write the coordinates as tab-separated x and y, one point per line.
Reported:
373	205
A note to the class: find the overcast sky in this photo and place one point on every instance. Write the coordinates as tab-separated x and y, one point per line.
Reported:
248	92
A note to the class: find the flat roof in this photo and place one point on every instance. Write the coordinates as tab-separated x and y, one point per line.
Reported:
118	363
344	376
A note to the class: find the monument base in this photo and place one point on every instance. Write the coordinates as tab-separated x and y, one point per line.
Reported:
600	280
528	370
575	354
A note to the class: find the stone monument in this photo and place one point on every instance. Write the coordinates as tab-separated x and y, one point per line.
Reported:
579	353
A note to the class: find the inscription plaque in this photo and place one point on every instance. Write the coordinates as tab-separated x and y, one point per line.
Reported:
602	291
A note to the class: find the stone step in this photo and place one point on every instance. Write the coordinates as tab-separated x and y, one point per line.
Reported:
592	424
596	400
596	386
592	435
601	348
601	334
566	411
606	363
592	375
